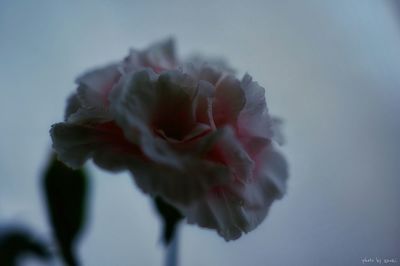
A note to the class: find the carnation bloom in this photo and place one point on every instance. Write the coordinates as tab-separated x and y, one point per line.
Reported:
190	132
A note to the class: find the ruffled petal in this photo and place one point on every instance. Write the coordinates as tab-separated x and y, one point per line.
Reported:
162	54
140	108
95	85
208	69
228	150
73	105
240	207
175	110
203	103
277	131
72	144
133	105
180	186
255	97
159	57
254	119
273	168
228	102
256	126
75	144
89	115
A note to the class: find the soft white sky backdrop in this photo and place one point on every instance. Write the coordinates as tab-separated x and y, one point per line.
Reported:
331	70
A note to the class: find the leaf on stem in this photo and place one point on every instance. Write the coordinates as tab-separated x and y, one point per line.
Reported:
66	195
18	242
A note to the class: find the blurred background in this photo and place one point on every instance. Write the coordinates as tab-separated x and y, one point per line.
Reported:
331	70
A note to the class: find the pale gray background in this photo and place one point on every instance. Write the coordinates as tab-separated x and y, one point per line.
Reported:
331	70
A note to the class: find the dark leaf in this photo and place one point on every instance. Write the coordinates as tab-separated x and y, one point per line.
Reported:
171	217
17	242
66	194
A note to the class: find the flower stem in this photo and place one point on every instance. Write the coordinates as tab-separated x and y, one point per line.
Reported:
171	256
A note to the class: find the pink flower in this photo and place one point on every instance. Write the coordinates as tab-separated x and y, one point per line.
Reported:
189	132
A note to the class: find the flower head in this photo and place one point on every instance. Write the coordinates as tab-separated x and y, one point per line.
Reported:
189	132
